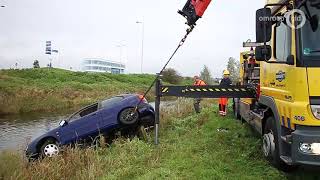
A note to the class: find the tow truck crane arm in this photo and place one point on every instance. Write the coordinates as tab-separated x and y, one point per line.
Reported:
193	10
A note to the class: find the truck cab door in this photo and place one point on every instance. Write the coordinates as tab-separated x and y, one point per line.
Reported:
277	72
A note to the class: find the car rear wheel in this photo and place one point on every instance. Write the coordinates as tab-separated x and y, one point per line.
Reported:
128	116
50	148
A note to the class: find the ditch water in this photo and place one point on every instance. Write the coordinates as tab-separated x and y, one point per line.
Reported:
16	131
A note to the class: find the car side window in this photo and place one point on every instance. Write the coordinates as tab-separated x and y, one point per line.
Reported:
282	42
74	117
85	111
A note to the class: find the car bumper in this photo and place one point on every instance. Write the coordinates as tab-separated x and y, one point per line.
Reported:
145	109
31	153
146	113
305	134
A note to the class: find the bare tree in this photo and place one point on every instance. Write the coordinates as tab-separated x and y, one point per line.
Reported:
206	75
234	69
36	64
172	76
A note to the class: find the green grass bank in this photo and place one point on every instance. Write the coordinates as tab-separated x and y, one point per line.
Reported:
190	147
47	90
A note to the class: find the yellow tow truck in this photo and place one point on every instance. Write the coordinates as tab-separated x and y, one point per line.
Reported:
284	67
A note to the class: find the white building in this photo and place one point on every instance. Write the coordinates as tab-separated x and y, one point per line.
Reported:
102	65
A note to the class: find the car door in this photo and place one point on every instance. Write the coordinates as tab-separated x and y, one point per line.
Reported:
67	133
108	119
109	111
80	125
87	127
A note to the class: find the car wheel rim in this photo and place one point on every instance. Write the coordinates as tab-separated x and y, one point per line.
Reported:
129	115
51	150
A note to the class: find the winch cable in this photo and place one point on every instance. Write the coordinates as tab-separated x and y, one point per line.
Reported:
189	30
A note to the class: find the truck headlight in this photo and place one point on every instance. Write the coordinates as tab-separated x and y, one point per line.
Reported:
310	148
316	111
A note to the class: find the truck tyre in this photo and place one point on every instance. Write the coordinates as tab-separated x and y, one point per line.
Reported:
236	109
270	145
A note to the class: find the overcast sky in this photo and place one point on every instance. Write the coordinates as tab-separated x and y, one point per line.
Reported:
93	29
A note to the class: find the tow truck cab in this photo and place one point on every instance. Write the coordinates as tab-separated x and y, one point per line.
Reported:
287	109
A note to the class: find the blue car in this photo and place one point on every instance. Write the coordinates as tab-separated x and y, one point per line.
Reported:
102	118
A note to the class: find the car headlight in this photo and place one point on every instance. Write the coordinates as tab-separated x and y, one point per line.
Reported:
316	111
310	148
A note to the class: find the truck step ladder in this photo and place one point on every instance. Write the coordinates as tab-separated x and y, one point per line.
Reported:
286	159
287	139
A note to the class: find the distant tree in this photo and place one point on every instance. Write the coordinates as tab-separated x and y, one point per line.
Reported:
234	69
188	80
205	75
36	64
171	76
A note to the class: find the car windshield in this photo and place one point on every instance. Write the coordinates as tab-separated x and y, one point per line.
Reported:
83	112
310	32
109	102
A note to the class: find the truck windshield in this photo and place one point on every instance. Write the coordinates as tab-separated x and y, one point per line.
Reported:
310	32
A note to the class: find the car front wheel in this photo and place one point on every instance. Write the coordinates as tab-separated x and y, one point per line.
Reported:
50	148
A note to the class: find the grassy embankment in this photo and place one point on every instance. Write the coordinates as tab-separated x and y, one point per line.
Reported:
191	148
23	91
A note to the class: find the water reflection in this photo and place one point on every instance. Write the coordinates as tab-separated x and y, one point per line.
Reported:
18	130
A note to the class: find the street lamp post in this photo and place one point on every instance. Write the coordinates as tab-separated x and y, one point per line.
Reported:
142	44
120	46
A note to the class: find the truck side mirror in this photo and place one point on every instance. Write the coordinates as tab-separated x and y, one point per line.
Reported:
290	60
314	22
263	53
263	25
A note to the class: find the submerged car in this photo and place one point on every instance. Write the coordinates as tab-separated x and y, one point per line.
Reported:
102	118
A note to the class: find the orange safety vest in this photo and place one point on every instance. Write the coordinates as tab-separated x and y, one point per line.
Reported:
200	83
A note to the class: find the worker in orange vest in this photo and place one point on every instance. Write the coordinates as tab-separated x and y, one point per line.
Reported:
223	101
196	103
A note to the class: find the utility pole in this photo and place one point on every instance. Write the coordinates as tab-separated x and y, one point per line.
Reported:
142	44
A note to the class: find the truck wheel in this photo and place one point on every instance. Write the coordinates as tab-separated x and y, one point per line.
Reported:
236	110
270	145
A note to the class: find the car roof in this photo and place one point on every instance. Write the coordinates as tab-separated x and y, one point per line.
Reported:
121	95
